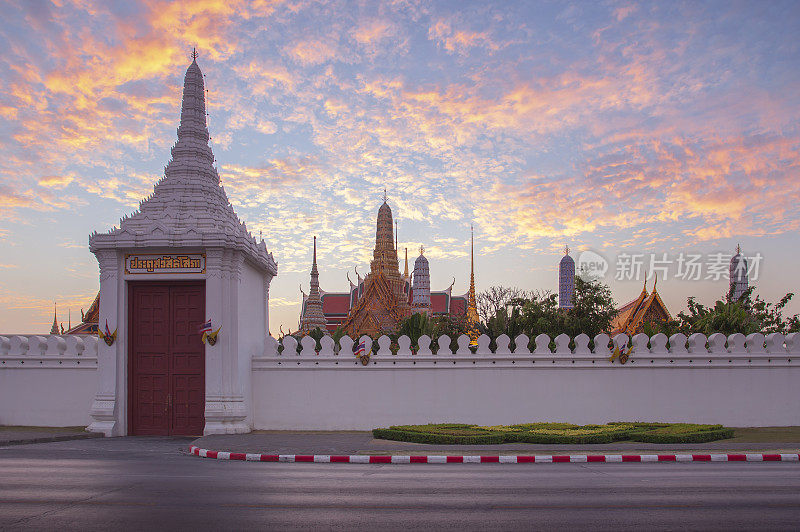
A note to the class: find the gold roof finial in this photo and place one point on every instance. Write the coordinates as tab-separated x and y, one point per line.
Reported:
738	249
472	307
385	197
566	250
422	250
655	281
194	54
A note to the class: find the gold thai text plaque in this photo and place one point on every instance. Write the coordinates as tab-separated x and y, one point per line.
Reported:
166	263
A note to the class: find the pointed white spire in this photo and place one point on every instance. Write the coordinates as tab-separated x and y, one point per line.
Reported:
188	205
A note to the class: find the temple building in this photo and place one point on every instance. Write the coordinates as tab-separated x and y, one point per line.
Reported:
380	301
566	281
313	318
421	287
738	275
89	320
647	308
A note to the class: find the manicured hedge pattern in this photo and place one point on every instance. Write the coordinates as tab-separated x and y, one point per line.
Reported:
554	433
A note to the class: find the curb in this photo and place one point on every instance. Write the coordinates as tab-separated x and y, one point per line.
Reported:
513	459
51	439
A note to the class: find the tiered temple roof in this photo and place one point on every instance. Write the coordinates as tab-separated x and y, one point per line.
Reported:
647	308
391	295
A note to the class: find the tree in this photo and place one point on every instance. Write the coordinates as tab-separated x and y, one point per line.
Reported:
490	301
539	313
415	326
317	335
728	316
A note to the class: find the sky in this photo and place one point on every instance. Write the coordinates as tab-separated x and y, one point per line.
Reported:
636	131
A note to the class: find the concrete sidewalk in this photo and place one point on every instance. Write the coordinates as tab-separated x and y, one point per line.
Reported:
11	435
350	443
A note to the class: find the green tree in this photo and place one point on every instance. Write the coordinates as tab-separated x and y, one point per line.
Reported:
728	316
317	335
539	314
415	326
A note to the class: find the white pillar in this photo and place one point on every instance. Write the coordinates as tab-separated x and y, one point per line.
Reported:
106	412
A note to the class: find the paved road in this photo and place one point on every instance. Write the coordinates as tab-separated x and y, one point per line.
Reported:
137	483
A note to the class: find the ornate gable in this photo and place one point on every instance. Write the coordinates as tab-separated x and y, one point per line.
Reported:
376	311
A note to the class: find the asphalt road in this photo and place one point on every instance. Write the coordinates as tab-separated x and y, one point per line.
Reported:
150	483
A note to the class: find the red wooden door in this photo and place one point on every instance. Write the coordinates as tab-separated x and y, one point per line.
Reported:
167	359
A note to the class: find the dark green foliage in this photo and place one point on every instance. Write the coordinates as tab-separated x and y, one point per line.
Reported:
728	316
424	437
317	335
683	437
539	313
548	433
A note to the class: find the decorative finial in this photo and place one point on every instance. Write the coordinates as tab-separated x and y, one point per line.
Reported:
566	250
422	250
655	281
385	197
738	249
194	54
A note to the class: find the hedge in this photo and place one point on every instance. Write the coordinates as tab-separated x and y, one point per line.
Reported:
547	433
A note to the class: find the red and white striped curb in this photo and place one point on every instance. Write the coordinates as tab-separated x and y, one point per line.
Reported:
514	459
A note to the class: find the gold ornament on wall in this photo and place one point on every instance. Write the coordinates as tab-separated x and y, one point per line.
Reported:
211	337
108	337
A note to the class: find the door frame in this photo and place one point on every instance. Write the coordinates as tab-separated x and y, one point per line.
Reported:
129	340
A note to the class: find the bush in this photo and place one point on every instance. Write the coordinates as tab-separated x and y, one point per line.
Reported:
554	433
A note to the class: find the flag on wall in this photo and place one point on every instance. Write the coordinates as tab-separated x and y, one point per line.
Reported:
205	328
360	349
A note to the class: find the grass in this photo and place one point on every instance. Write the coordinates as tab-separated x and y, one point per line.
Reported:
554	433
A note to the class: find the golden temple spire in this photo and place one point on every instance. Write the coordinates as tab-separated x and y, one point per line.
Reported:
54	328
405	273
472	308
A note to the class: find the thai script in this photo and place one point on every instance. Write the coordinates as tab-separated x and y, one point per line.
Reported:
166	262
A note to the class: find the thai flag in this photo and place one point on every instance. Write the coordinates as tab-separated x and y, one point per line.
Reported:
206	327
360	349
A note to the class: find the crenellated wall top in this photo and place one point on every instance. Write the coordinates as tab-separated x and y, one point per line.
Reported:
31	351
716	350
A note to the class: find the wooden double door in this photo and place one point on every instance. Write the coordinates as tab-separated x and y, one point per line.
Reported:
166	358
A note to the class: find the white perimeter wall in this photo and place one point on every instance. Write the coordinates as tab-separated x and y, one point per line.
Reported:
47	380
51	381
729	383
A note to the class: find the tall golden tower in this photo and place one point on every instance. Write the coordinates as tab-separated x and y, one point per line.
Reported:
472	304
384	303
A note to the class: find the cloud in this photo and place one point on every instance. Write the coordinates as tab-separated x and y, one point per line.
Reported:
459	41
313	52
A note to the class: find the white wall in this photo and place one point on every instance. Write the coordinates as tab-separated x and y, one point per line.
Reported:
252	319
749	386
51	380
47	380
